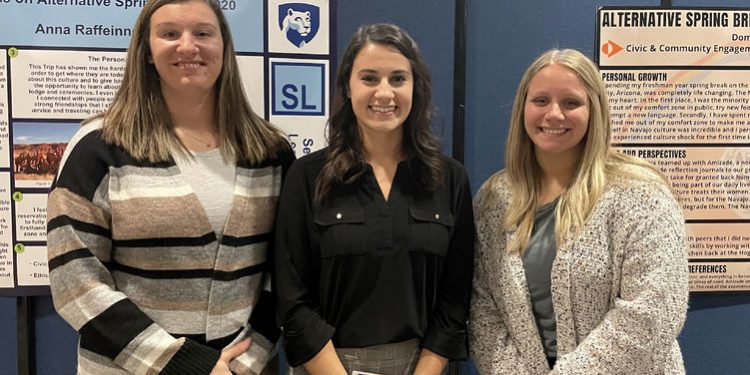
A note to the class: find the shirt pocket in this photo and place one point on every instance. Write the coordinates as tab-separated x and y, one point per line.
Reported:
431	230
342	230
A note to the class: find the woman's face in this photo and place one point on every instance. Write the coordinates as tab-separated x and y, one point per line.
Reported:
380	88
556	112
186	46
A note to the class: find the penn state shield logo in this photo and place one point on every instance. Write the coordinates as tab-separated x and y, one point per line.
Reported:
299	22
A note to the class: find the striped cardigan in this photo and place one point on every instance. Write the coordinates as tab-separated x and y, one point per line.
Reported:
137	270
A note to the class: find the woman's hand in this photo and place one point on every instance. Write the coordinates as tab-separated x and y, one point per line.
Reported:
227	355
430	363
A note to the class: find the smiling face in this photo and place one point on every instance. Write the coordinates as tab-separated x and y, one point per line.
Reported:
186	46
380	89
556	112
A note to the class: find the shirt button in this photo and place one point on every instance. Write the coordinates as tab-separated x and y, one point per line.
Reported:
339	215
437	216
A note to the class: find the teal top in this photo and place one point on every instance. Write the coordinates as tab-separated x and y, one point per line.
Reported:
537	264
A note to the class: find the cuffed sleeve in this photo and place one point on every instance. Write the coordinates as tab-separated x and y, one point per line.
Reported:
296	270
639	333
446	334
192	358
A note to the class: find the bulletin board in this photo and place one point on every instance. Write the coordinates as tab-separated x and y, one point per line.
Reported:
62	61
679	90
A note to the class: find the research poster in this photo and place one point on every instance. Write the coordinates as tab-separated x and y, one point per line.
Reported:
678	81
62	61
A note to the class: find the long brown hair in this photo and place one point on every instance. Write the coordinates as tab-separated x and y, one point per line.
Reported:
138	119
345	161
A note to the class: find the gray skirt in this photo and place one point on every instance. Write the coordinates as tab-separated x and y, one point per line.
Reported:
387	359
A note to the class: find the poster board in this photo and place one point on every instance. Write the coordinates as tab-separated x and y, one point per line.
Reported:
57	70
678	81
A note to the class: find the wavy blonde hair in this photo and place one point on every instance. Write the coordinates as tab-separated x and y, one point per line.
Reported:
138	119
597	166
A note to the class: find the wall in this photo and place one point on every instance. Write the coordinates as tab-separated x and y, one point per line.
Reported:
54	341
8	335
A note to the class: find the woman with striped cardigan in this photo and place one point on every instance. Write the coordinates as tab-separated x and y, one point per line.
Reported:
160	216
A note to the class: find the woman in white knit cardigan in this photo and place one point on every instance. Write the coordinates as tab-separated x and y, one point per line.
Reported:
581	263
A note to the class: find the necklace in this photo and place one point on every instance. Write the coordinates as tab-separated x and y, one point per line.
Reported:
207	144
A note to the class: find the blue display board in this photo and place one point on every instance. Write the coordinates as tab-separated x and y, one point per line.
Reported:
62	61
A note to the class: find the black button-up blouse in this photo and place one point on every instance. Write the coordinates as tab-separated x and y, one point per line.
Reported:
364	271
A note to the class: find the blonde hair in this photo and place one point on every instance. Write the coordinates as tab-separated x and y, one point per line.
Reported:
138	119
597	166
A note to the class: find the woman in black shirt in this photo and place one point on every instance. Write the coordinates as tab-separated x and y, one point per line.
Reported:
375	233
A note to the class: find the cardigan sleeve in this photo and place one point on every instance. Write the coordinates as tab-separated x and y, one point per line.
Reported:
638	334
446	334
83	290
492	348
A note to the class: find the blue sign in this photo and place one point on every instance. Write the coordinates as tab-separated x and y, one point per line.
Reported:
108	24
298	88
299	22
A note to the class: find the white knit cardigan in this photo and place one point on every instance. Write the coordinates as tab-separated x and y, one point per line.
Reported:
619	288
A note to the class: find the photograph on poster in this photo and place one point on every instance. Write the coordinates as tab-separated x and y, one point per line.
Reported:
37	150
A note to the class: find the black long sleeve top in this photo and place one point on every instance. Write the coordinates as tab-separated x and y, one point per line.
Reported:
362	271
